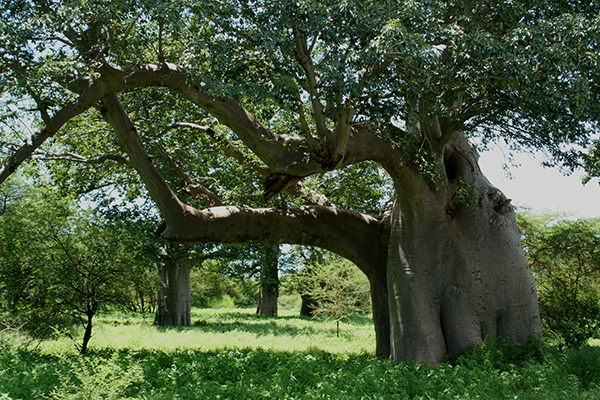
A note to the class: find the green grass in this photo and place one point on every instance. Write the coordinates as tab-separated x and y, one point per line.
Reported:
234	354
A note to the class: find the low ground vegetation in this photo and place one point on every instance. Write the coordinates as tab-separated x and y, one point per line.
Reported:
232	353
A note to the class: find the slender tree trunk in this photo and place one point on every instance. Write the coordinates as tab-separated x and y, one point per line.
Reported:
269	282
87	334
174	294
456	269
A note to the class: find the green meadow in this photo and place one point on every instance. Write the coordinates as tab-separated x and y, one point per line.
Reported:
235	354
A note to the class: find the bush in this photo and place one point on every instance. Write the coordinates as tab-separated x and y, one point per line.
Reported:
212	289
564	257
575	318
96	378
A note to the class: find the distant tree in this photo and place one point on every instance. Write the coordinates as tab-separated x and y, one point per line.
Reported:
338	288
564	256
269	281
57	261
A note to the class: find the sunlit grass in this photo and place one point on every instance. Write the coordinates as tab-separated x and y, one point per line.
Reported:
235	354
220	329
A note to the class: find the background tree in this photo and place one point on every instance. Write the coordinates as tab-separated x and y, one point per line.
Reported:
338	288
291	90
56	261
269	282
564	256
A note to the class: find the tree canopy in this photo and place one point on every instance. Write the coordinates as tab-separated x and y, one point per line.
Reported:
523	70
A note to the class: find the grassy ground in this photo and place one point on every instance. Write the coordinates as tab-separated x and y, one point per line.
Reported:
233	354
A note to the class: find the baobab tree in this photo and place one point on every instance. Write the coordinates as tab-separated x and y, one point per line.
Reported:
296	89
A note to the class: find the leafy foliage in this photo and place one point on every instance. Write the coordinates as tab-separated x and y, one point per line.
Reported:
56	261
565	258
338	287
255	372
523	70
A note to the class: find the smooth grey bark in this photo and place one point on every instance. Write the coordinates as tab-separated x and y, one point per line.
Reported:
381	312
456	271
269	283
174	294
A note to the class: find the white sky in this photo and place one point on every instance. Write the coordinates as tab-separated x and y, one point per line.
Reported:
542	189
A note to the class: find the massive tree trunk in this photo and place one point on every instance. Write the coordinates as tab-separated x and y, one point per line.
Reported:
269	283
456	270
174	294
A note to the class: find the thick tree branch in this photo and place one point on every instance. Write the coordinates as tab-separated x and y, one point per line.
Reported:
297	189
289	156
170	206
358	237
305	61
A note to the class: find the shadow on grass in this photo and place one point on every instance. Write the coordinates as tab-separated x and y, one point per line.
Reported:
260	325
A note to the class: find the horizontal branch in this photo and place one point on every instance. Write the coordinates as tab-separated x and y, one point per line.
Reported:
350	234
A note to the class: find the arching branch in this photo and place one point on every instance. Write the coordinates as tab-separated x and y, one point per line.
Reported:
350	234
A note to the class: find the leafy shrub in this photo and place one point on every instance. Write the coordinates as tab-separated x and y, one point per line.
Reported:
339	288
215	290
97	378
565	259
496	370
291	302
584	363
574	317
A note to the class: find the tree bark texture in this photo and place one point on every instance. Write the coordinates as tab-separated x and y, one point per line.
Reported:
87	334
308	306
174	295
456	271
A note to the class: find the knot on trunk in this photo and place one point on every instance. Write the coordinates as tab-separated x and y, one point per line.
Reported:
501	204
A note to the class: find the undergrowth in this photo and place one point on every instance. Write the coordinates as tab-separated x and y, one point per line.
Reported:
494	371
